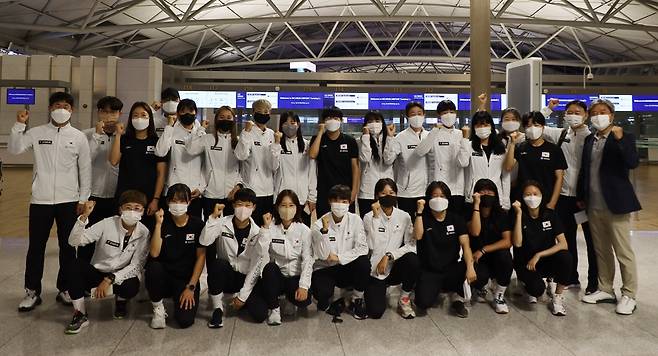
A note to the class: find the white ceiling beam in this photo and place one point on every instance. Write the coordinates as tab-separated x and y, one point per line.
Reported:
397	7
196	53
262	40
514	49
545	42
502	10
300	40
582	48
275	8
613	11
187	12
166	9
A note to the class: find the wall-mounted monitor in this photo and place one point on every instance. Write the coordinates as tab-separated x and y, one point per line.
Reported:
392	101
271	96
301	100
210	99
645	103
621	102
16	96
351	101
431	100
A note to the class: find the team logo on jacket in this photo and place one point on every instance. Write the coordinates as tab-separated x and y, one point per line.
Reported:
546	225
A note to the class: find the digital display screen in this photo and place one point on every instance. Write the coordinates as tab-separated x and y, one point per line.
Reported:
392	101
271	96
351	101
211	99
645	103
20	96
431	100
301	101
496	102
241	99
621	102
566	98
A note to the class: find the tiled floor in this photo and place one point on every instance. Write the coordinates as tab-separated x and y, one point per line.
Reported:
586	330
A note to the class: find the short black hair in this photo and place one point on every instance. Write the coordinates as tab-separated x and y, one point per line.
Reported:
109	102
179	191
132	196
576	102
186	104
340	192
331	112
169	94
536	117
411	105
445	105
437	184
382	183
245	195
60	96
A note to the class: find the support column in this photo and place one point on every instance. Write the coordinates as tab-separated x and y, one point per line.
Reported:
479	51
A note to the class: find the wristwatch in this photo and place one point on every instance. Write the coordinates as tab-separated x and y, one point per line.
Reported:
111	277
191	287
390	256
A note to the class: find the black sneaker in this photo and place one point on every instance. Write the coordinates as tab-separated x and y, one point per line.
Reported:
459	308
337	307
358	309
120	308
216	321
79	321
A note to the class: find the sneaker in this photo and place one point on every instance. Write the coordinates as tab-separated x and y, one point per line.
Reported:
500	305
336	308
626	306
159	317
531	299
550	288
79	321
216	321
575	285
120	308
480	295
459	308
274	317
29	302
599	297
358	309
406	310
64	298
558	308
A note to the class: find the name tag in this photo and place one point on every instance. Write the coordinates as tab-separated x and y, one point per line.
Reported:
411	147
112	243
332	238
256	143
159	129
546	225
189	238
284	152
477	154
227	234
102	142
216	148
180	142
444	143
381	229
45	142
278	241
567	140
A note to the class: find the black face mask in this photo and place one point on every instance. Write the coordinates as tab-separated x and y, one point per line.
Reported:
187	119
224	125
487	201
388	201
261	118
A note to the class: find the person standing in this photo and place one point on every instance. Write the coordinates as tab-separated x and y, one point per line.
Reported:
165	109
61	184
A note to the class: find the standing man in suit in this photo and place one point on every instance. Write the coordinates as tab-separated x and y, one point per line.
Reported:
603	185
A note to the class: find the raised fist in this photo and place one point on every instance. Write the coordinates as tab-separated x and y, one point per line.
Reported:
517	206
22	116
321	128
376	209
466	132
88	208
120	129
267	220
366	131
277	136
217	212
156	105
248	125
100	125
420	206
159	217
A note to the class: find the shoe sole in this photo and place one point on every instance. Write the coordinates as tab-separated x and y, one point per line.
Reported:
77	331
24	309
560	314
601	301
273	324
157	327
215	326
631	313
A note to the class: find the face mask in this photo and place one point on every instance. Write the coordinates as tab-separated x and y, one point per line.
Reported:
533	132
339	209
487	201
600	122
332	125
187	119
224	125
439	204
449	119
243	213
177	209
388	201
511	126
287	213
60	116
573	120
261	118
131	217
140	124
375	128
483	132
170	106
289	130
416	121
532	201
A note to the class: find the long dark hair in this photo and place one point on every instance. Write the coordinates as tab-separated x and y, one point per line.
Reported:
488	184
483	117
373	115
295	200
130	129
300	139
234	130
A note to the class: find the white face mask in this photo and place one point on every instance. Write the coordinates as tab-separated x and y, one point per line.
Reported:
483	132
60	116
416	121
449	119
287	213
600	122
140	124
439	204
170	106
177	209
243	213
131	217
511	126
332	125
573	120
375	128
339	209
534	132
532	201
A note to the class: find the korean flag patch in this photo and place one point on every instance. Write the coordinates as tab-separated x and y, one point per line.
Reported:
189	238
546	156
546	225
450	229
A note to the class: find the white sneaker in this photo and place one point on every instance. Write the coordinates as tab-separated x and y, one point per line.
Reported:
531	299
599	297
550	288
626	306
30	301
406	310
500	305
274	317
558	305
159	317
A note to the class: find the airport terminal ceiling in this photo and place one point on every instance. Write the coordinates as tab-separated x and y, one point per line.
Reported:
614	37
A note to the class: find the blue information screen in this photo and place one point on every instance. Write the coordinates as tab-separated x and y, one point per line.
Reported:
645	103
328	100
301	100
566	98
392	101
465	102
241	100
20	96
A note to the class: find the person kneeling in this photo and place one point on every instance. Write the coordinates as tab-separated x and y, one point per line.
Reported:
291	258
176	260
240	256
121	248
393	252
341	249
